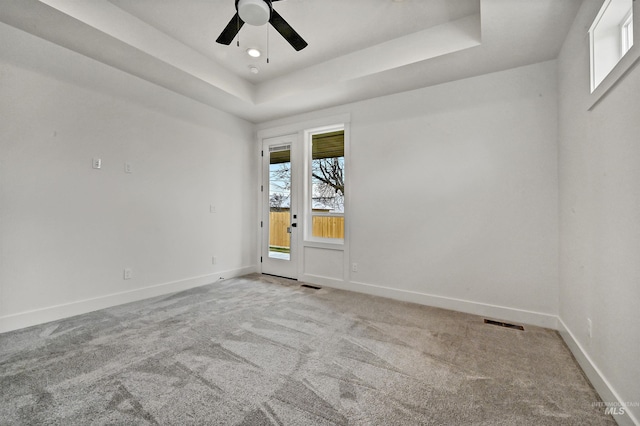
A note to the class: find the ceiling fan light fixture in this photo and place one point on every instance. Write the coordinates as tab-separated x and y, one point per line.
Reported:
254	12
259	12
253	52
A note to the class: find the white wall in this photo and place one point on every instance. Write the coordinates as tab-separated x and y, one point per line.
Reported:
68	231
453	203
453	194
599	160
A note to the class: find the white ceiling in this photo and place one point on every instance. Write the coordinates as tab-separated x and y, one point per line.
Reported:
358	49
337	27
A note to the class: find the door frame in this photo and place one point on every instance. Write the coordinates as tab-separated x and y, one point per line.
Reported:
275	266
299	129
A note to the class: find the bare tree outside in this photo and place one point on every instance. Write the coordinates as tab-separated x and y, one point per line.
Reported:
280	186
328	182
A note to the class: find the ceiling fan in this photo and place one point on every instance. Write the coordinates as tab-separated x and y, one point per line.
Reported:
259	12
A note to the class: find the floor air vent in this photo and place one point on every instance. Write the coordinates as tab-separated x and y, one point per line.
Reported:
503	324
310	286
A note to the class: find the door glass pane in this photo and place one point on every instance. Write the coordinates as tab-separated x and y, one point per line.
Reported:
280	202
327	185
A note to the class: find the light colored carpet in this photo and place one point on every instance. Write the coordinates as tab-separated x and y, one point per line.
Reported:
260	350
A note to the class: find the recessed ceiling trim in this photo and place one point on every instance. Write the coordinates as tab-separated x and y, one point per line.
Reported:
423	45
105	17
137	38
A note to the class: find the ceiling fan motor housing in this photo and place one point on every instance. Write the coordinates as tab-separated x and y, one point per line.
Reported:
254	12
257	13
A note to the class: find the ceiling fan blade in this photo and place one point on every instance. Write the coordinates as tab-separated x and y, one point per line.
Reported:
231	30
286	31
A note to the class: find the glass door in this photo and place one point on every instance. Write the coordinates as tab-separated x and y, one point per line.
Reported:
279	213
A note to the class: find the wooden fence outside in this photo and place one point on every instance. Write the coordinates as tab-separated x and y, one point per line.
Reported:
322	226
328	226
278	235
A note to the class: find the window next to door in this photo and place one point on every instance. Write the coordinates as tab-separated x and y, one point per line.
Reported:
326	185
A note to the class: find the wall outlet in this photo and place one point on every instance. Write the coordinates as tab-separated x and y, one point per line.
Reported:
127	274
128	168
354	267
589	328
212	208
214	260
96	163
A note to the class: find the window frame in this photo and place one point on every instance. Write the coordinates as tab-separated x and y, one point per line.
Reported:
625	63
626	33
308	186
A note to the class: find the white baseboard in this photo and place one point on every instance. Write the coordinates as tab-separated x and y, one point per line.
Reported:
476	308
53	313
597	379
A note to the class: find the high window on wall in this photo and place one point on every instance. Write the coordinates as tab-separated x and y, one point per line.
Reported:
611	37
326	185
